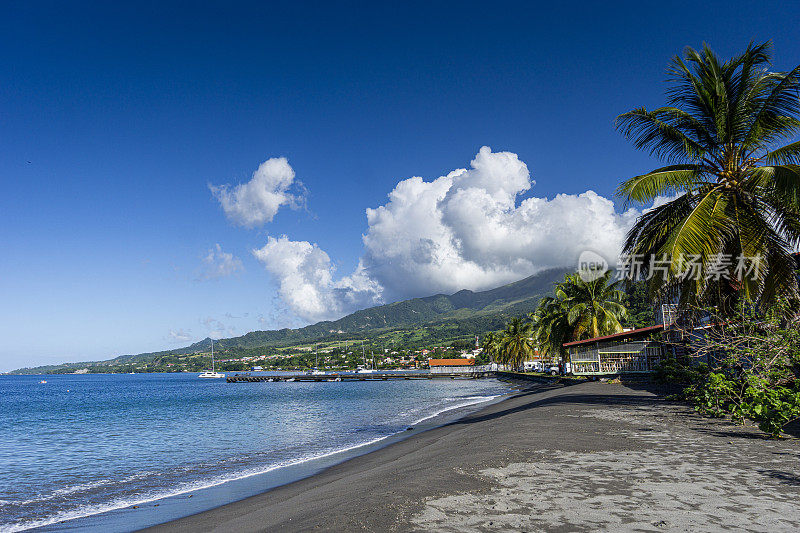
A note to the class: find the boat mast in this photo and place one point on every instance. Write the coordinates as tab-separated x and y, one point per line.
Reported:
212	355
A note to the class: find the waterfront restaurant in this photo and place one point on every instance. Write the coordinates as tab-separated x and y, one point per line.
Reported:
633	351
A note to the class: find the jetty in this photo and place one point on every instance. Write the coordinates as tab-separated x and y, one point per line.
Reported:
354	376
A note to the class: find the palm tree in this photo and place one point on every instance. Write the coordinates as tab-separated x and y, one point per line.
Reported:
737	186
594	307
581	309
550	327
491	344
517	343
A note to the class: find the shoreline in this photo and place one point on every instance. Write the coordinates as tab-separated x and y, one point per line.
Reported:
626	458
133	514
517	386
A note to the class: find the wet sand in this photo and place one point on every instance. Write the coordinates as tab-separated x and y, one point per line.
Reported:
587	457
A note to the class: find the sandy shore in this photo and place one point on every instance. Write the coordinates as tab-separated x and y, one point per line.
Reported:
588	457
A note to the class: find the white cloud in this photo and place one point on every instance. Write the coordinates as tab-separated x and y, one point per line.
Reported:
180	335
464	230
305	275
218	264
658	201
256	202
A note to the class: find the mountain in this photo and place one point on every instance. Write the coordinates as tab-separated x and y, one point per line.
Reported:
437	318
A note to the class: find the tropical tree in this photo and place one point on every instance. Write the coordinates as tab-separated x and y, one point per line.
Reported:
734	185
517	344
580	309
550	327
594	306
492	344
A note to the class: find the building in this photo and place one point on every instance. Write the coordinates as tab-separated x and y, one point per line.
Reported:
633	351
446	366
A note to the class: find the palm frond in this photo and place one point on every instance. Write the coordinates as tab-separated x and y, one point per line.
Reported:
769	122
703	230
664	181
789	154
649	130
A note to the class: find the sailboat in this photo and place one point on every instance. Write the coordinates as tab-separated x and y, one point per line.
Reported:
364	369
317	371
213	373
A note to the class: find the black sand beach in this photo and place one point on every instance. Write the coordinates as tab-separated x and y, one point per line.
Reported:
585	457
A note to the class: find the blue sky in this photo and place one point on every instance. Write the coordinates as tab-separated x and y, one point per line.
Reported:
117	118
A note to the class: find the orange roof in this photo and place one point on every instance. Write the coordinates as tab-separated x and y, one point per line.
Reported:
451	362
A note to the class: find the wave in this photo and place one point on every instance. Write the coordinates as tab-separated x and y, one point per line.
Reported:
81	487
472	401
121	503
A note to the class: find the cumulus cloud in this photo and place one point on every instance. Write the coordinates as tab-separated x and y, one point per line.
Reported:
467	229
256	202
306	280
218	264
180	335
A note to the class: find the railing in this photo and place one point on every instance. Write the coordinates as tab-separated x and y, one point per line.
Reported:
617	357
462	369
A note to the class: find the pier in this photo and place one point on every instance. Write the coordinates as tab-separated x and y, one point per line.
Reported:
352	376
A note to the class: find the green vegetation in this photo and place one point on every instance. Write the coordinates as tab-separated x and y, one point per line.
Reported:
753	369
639	305
579	310
737	188
517	343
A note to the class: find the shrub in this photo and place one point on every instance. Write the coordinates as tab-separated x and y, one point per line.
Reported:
755	369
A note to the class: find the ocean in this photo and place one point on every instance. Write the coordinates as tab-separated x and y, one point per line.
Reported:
117	452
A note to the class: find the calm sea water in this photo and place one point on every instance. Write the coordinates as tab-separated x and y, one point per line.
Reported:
85	444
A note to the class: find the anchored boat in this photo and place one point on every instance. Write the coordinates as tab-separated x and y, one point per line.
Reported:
213	374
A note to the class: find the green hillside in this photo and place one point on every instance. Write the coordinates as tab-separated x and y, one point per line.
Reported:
411	323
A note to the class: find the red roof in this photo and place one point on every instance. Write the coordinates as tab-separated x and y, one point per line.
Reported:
451	362
631	333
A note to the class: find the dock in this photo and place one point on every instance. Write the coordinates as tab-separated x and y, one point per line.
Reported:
352	376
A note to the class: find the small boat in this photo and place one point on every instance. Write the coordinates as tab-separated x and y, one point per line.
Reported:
290	379
364	369
212	374
316	371
43	381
